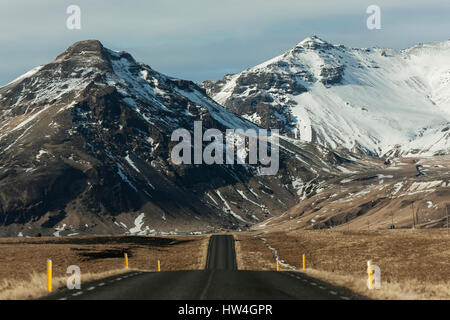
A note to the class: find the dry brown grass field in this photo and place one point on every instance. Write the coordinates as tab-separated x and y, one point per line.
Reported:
414	264
23	261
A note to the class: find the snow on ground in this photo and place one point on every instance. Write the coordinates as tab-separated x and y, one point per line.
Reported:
41	152
212	199
254	193
131	163
220	114
245	197
255	118
124	177
298	185
59	230
397	187
263	207
344	170
138	224
227	208
421	186
277	258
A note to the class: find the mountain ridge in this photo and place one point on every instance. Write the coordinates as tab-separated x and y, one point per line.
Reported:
338	96
85	146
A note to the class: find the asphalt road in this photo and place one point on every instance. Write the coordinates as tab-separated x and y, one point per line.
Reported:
221	253
219	281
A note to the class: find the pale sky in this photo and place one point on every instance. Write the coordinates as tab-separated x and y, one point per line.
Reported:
205	39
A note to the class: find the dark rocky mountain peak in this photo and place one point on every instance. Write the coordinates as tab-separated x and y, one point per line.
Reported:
85	49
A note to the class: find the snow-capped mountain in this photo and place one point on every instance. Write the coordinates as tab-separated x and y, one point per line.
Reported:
84	148
374	101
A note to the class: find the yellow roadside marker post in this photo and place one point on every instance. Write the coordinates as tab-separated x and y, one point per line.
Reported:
370	272
159	266
278	266
126	260
49	275
304	262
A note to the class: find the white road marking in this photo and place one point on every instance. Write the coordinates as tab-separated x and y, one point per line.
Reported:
91	288
345	298
333	293
101	284
62	298
77	293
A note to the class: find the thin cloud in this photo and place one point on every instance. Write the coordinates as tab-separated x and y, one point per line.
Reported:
200	39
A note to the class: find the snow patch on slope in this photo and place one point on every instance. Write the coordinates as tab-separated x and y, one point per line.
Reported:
138	224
